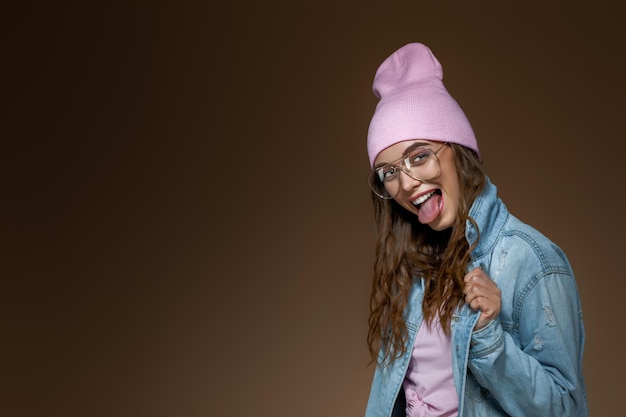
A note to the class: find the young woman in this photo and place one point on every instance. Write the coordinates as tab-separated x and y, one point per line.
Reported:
472	312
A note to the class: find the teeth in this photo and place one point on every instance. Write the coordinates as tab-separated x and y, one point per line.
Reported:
423	198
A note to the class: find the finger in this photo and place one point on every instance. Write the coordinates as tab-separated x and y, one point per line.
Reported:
473	275
476	304
476	287
474	291
472	294
483	305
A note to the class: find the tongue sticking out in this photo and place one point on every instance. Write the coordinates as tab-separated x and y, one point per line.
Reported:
430	209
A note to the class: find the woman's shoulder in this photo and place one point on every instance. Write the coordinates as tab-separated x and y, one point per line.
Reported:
532	247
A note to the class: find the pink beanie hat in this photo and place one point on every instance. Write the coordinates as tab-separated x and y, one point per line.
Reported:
414	104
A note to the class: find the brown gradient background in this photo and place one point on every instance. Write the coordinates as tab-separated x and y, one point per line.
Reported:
186	225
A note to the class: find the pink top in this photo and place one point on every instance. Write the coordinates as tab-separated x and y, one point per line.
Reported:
429	383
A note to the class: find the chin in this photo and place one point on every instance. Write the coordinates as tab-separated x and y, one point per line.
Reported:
438	228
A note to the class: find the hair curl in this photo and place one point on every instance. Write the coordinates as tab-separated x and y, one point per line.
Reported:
406	249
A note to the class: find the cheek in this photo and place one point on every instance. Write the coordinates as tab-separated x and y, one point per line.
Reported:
410	207
452	212
401	203
452	201
451	187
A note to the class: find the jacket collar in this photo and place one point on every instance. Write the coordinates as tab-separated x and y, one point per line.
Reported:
490	214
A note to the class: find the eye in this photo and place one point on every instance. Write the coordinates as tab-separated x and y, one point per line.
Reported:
387	172
419	156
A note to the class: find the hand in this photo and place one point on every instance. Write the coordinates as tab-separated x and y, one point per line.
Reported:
482	294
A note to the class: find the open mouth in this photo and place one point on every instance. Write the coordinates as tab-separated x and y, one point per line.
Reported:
422	199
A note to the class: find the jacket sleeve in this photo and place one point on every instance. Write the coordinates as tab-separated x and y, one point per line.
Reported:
535	368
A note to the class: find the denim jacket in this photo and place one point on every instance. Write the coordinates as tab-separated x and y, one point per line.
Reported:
527	361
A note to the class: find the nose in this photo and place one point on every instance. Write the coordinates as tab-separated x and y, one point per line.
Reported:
408	183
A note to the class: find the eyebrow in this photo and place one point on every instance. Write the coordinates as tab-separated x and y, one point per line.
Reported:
408	150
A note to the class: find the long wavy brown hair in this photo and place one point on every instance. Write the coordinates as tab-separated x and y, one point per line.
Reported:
408	250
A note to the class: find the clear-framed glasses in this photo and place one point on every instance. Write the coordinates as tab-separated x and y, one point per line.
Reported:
420	163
